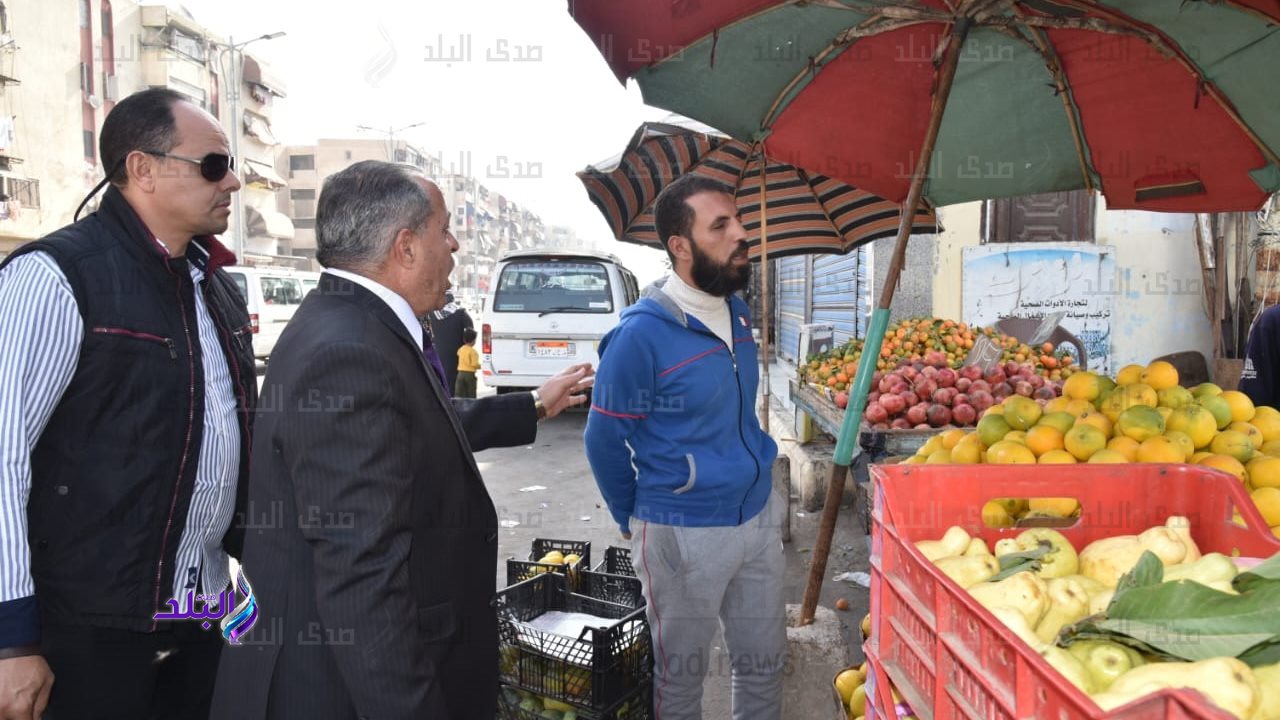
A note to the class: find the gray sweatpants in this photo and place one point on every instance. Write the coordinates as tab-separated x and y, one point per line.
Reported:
694	577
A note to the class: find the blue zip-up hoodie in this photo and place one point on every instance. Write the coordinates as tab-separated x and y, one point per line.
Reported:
672	436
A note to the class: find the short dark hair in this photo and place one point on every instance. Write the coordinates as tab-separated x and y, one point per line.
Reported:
468	335
671	212
142	121
361	210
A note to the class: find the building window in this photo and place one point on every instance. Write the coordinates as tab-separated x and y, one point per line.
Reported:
89	144
108	49
194	92
24	192
304	203
213	95
186	45
301	162
84	14
308	223
4	20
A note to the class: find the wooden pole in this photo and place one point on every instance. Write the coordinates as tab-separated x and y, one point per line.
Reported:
764	294
875	336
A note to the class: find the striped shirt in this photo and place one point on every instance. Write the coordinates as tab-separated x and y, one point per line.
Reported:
41	330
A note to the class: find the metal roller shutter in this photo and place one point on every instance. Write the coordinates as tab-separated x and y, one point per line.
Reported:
840	293
792	300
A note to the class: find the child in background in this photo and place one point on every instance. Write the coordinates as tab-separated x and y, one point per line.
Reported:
468	364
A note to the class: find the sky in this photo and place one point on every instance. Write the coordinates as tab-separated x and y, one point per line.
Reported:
455	68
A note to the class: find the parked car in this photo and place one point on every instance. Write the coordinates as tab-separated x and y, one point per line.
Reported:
548	310
273	295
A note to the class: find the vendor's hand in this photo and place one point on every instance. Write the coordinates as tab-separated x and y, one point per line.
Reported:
25	683
626	536
565	388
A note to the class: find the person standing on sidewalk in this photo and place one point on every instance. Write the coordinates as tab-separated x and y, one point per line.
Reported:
125	421
681	461
468	365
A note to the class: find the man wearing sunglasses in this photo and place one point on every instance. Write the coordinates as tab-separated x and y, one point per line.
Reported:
124	430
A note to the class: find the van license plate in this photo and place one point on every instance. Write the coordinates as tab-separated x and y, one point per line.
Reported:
551	349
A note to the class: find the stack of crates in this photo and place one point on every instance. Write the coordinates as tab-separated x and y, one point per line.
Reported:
603	673
521	570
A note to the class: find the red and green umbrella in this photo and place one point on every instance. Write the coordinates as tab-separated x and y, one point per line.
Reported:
1164	105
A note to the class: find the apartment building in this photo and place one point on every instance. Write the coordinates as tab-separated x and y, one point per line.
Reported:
64	65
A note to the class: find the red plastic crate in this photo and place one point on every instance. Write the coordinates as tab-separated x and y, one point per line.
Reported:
948	656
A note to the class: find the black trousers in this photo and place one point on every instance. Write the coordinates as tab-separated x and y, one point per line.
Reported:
108	674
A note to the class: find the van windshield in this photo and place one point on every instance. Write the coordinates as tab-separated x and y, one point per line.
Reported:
242	284
542	285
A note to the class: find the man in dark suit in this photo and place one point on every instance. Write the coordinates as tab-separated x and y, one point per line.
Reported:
446	326
374	561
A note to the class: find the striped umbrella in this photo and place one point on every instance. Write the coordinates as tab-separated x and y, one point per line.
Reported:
807	212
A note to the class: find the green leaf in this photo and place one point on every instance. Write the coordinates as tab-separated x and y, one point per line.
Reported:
1024	561
1195	622
1149	571
1267	571
1268	653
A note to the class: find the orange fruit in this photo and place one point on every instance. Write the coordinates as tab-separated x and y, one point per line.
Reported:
1010	453
1129	374
992	428
1236	444
1079	407
1058	404
1198	423
951	437
1206	388
1104	455
1082	386
1160	449
1057	457
1126	446
1250	431
1083	440
1264	472
1096	419
1140	422
1242	409
994	515
1060	420
1184	443
966	453
1043	438
1219	407
1226	464
1159	375
938	457
1021	412
1057	507
1268	501
1174	397
1267	420
1198	456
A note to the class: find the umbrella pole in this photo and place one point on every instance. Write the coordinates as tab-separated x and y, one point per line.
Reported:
847	443
764	299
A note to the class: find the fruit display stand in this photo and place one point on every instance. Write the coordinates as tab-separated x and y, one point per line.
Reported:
946	654
878	443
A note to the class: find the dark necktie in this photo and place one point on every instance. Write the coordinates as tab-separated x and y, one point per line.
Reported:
433	359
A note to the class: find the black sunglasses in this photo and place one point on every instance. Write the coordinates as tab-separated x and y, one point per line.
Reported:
213	167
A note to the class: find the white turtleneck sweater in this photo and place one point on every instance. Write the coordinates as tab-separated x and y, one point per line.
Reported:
710	310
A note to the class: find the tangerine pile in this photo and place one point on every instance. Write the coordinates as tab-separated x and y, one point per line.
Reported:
1143	415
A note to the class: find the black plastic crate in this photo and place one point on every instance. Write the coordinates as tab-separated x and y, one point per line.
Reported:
520	570
593	671
542	546
636	706
617	561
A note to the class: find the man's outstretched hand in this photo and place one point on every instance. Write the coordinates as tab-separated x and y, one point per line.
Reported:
566	388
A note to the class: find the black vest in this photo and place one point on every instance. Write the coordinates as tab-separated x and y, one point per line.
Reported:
113	471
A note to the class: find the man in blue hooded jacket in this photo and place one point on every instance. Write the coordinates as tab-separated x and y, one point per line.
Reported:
684	466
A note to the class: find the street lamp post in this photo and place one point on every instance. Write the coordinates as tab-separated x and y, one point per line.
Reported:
237	68
391	133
